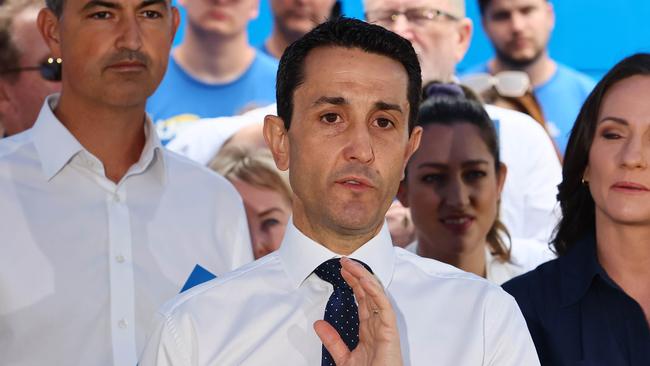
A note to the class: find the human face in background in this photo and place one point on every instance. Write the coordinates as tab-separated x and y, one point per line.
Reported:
226	18
267	212
519	29
452	188
297	17
348	142
440	43
114	52
23	93
617	174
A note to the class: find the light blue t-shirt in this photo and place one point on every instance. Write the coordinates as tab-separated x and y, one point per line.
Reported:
561	98
181	98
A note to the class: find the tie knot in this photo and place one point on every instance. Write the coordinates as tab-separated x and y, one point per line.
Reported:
330	271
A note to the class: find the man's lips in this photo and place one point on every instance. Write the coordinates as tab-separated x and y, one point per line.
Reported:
629	187
355	182
127	66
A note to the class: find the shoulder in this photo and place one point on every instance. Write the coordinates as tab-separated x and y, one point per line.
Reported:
536	287
226	293
264	62
189	173
567	75
17	150
430	272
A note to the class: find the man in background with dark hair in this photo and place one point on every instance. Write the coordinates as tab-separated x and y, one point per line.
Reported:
27	72
348	95
100	224
520	31
292	19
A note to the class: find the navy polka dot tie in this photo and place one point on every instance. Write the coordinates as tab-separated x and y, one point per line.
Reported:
341	310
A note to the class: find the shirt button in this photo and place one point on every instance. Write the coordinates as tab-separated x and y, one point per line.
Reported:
116	197
122	323
119	258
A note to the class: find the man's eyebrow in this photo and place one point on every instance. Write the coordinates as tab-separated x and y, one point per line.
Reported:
100	4
618	120
146	3
330	100
383	106
475	162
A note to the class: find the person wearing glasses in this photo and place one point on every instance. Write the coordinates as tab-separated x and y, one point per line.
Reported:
28	72
591	306
519	31
440	33
100	225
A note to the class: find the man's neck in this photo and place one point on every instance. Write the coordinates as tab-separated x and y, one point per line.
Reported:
343	243
278	42
115	135
539	71
212	58
472	260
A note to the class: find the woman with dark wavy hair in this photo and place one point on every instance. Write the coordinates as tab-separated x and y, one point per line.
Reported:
591	306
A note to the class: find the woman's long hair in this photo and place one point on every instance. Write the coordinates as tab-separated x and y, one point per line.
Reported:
578	208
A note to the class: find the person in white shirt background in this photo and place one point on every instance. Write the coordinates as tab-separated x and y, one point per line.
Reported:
441	33
348	95
100	224
453	186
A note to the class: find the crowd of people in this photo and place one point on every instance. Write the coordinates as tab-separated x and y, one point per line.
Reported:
358	201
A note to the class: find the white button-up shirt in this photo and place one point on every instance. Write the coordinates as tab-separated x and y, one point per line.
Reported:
263	313
85	262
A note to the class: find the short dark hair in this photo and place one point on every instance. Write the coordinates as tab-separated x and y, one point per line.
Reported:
451	104
346	33
578	207
483	4
56	6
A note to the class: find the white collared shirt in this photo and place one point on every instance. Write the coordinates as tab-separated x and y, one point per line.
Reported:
85	262
263	313
525	255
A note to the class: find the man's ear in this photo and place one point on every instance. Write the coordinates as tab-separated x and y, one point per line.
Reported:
465	28
277	139
176	20
412	146
48	25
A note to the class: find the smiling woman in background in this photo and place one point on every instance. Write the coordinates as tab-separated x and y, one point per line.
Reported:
265	191
453	187
591	306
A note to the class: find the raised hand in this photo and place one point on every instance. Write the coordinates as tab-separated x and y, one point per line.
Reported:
378	334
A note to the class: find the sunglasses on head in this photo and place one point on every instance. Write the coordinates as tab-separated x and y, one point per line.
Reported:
50	69
507	83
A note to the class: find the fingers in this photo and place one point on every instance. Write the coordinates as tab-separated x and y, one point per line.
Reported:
368	291
332	341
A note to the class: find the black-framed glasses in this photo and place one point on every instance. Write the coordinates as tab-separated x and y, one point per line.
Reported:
50	69
416	16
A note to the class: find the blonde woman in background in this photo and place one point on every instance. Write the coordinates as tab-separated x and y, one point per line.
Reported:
265	191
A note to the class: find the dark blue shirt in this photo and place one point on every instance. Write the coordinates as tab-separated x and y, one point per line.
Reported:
577	315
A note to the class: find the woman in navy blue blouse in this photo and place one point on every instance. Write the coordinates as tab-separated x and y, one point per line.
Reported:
591	306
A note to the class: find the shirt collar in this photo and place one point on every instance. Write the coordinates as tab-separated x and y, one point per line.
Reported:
301	255
579	267
56	146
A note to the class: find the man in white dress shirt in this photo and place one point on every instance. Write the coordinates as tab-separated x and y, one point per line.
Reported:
348	94
100	225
